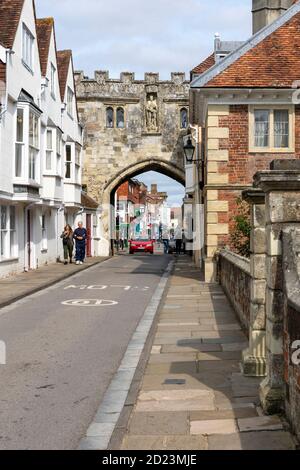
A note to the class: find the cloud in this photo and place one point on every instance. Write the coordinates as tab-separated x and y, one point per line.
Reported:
141	36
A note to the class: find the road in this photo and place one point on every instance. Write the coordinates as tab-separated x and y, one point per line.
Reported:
62	356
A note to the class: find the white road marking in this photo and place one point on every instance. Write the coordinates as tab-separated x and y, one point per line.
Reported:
89	303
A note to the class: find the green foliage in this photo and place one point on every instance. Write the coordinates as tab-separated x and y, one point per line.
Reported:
240	232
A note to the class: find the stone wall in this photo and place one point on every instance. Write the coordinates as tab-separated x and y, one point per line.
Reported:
234	276
291	334
111	153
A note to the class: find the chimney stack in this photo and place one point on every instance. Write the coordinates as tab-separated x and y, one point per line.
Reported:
266	11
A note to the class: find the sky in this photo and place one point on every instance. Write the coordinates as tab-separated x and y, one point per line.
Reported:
145	36
175	190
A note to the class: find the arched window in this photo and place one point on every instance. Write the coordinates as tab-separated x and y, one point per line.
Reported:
120	118
110	117
183	118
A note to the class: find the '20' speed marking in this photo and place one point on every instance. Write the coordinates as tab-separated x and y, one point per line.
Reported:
89	303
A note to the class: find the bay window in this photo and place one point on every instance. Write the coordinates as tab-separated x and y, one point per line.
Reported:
27	143
8	239
272	129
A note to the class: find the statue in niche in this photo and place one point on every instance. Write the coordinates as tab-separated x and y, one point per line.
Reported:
152	114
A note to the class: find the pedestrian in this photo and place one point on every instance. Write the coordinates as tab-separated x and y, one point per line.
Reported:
68	244
178	240
166	240
80	236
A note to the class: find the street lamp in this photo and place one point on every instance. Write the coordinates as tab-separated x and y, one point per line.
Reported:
189	151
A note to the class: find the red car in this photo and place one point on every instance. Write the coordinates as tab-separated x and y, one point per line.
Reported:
141	246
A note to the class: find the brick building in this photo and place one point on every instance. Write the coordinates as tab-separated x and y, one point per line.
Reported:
244	104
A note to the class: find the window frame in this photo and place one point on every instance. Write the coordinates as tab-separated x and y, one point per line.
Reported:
8	249
70	102
120	108
27	52
30	145
184	108
53	81
271	147
108	108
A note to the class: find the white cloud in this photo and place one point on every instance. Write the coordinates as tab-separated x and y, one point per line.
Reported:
142	36
175	190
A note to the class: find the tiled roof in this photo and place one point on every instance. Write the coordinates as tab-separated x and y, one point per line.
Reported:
63	63
44	29
10	12
273	63
205	65
2	72
88	202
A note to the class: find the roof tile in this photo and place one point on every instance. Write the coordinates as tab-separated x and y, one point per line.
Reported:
10	12
273	63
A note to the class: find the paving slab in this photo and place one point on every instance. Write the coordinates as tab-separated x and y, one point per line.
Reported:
264	440
209	427
159	423
261	423
170	358
247	412
164	443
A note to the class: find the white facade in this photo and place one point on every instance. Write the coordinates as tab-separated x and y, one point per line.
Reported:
40	154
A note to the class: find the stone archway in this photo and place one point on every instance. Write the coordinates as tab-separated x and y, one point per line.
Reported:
107	196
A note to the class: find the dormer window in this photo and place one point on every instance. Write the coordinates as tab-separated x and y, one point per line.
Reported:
28	42
53	81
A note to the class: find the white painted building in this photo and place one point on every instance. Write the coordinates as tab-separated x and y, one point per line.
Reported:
40	141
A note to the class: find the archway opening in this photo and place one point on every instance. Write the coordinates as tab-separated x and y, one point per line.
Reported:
148	205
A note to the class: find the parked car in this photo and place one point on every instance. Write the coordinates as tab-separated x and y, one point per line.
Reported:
141	246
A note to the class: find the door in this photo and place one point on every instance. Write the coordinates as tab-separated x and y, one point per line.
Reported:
89	235
29	248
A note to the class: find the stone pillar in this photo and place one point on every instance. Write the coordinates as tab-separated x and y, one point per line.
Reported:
281	186
254	358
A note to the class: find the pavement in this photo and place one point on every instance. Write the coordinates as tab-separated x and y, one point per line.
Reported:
16	287
192	395
71	347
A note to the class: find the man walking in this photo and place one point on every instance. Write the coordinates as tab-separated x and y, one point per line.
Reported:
80	236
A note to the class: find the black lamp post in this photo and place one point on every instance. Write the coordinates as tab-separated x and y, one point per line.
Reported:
189	151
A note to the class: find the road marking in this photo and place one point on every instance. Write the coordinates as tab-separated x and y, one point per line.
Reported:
103	287
89	303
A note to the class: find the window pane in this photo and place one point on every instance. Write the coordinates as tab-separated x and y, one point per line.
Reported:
48	160
120	118
12	218
109	117
68	170
68	153
3	218
31	164
262	127
31	116
49	140
183	119
19	160
281	128
20	125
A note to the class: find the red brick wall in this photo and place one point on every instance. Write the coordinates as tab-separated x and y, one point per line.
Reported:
242	164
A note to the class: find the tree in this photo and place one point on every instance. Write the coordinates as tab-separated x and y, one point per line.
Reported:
241	230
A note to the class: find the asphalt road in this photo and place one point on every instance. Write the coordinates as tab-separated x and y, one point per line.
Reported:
61	355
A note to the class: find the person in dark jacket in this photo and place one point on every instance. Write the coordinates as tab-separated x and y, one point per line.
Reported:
80	236
68	243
